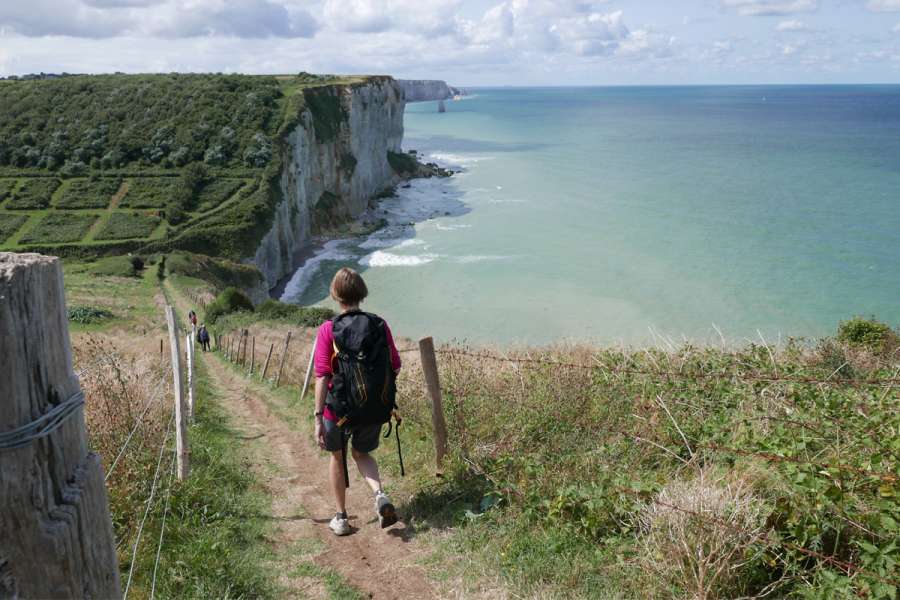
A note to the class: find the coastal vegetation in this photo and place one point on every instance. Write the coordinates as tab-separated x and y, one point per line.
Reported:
200	153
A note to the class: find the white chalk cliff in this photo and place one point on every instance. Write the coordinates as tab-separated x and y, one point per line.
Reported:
423	90
332	177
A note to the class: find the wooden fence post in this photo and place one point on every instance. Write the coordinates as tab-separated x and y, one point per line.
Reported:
57	536
231	348
268	356
287	341
252	355
182	448
189	354
245	335
309	368
433	386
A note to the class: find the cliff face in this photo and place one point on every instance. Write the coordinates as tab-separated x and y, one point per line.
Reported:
422	90
335	163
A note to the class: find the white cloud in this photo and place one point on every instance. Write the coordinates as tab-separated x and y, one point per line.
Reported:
792	25
766	8
884	5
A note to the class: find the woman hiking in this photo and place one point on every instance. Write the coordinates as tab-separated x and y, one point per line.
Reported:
356	365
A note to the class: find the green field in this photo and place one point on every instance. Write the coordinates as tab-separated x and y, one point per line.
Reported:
148	192
124	226
9	224
86	193
59	228
34	194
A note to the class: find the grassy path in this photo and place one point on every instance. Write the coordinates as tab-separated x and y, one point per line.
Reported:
310	560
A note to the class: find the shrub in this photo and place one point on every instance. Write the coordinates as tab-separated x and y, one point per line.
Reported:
34	193
123	226
59	228
161	268
402	164
87	314
6	188
217	191
708	541
113	266
84	193
870	333
304	316
219	272
229	301
9	224
137	263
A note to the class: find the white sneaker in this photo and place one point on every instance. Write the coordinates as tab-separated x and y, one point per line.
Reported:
339	525
387	514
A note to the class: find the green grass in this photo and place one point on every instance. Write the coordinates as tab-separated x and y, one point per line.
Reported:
85	193
214	544
9	224
123	226
552	469
217	272
149	192
59	228
34	193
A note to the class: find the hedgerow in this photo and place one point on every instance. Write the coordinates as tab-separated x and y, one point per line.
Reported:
6	188
217	191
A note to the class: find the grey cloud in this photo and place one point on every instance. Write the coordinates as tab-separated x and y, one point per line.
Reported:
240	18
156	18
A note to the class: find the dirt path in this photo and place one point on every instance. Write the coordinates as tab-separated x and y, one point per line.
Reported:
379	563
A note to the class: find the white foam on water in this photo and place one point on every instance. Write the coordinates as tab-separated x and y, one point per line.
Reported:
452	227
380	258
333	250
457	160
507	200
390	242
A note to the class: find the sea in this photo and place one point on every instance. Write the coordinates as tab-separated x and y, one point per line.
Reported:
637	216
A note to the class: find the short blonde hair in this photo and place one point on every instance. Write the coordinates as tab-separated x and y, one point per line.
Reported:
348	287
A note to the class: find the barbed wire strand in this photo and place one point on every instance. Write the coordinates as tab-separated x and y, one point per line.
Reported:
140	531
672	374
140	419
162	529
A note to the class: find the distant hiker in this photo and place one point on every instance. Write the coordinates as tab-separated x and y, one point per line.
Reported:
192	317
356	366
203	338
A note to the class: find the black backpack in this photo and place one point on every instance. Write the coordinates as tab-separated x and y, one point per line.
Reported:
364	387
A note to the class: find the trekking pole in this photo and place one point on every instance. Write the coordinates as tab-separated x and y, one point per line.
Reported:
312	356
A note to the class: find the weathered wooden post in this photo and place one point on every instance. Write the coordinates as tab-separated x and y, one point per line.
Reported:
433	386
182	448
287	341
268	357
245	335
309	368
189	355
56	536
252	355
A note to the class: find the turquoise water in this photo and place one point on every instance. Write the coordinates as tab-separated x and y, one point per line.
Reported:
625	214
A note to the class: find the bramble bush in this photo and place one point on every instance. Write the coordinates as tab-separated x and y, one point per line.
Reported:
231	300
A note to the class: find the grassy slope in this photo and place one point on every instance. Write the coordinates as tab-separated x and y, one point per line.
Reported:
214	537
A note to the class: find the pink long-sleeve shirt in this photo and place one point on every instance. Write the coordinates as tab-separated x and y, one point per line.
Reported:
324	361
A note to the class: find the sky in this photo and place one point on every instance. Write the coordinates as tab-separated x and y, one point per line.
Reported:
465	42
